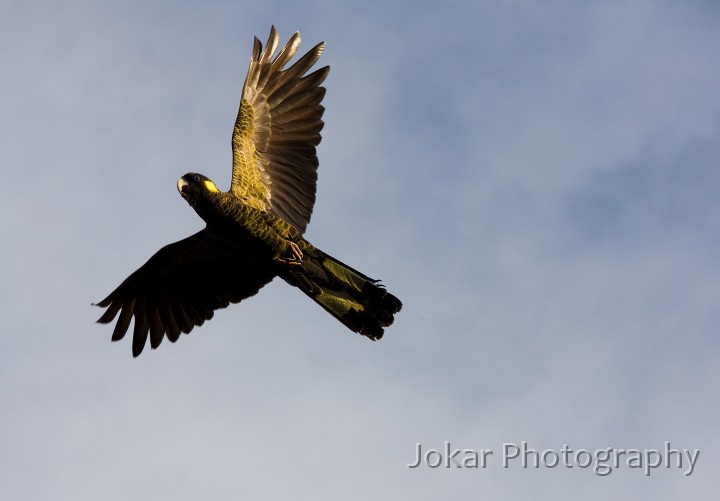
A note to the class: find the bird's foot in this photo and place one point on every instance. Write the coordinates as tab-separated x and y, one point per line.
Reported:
296	255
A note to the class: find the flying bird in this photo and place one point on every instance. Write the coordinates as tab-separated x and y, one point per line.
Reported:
254	231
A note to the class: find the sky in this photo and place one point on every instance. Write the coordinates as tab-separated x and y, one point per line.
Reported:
536	181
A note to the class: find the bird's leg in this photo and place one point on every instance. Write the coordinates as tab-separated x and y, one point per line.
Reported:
296	255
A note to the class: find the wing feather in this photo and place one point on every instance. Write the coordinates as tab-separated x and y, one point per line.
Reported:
172	330
180	287
123	322
277	129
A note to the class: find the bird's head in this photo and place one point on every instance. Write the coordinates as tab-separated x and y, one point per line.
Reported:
195	187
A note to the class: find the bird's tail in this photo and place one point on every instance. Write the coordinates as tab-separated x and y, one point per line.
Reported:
358	301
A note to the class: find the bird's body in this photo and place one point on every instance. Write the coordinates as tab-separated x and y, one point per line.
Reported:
254	231
241	221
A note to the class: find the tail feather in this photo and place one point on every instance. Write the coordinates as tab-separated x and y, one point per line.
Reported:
356	300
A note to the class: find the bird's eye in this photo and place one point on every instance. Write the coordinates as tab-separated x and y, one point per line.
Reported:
196	177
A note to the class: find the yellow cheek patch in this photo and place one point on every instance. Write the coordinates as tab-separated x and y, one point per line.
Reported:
211	186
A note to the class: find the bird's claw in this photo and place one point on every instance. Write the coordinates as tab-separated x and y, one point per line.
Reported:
296	255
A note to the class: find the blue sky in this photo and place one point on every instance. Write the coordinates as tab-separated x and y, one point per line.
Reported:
537	181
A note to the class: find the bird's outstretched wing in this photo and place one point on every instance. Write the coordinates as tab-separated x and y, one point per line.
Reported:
277	129
181	286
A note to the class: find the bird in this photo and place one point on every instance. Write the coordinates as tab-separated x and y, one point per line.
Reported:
254	231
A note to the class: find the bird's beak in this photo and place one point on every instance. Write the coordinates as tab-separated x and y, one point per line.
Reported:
180	185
